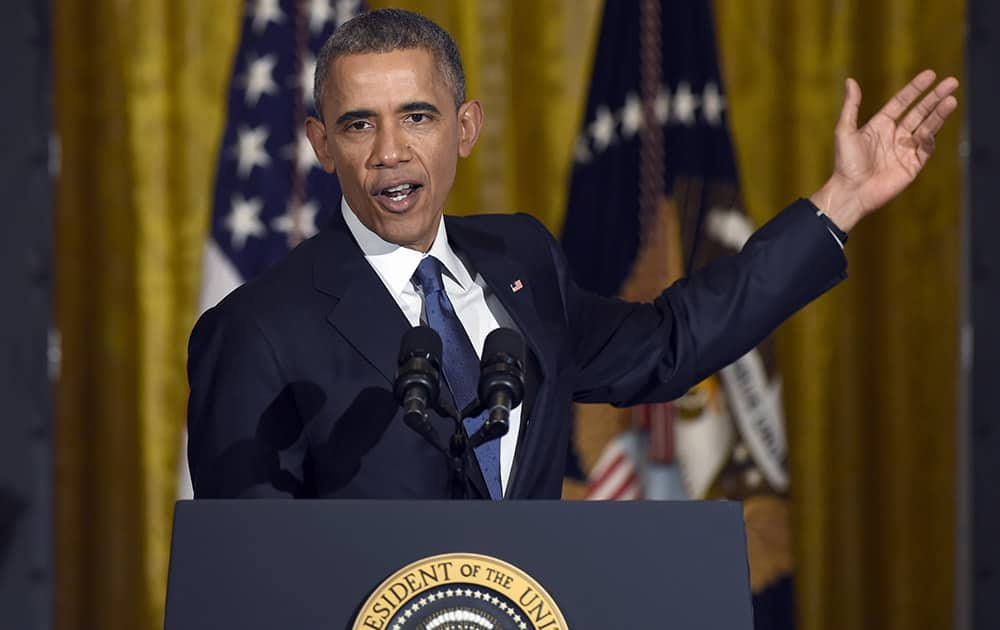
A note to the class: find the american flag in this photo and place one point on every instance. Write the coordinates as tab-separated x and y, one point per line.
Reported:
615	475
270	193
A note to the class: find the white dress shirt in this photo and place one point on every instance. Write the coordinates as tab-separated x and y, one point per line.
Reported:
395	266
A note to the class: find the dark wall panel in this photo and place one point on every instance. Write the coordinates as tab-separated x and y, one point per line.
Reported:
25	306
982	423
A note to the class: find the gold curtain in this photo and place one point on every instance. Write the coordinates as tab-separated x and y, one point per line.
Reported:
870	369
139	99
140	103
529	63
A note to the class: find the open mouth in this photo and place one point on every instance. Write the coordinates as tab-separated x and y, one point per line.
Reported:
399	192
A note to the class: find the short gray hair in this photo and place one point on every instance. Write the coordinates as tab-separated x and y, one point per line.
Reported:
386	30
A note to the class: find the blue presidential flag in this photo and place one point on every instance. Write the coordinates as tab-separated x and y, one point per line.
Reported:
653	196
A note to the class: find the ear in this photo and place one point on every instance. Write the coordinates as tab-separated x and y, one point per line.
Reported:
470	122
316	132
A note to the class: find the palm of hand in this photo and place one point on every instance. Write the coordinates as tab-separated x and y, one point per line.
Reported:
879	160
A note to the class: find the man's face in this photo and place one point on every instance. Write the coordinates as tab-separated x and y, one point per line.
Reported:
393	136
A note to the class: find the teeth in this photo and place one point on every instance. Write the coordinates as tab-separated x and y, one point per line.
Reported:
396	193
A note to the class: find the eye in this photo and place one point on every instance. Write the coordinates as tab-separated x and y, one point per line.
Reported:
359	125
418	117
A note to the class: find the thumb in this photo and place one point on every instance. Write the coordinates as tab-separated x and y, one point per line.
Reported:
849	110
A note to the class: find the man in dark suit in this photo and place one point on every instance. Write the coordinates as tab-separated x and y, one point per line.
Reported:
291	375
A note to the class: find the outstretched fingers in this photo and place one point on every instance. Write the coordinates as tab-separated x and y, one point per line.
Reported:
908	95
945	108
929	109
929	127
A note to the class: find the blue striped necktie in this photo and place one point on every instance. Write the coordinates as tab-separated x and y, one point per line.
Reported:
460	363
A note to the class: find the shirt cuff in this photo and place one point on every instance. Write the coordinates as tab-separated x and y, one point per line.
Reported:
838	235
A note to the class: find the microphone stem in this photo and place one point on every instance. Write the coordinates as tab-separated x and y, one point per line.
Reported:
459	448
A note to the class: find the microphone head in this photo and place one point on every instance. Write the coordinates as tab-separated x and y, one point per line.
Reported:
420	341
504	341
419	364
502	366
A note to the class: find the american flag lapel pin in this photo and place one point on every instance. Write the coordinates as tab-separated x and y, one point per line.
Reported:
516	285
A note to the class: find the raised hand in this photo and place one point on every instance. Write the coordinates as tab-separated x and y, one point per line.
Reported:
875	163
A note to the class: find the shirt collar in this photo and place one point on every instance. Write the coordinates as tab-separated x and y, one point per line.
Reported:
396	264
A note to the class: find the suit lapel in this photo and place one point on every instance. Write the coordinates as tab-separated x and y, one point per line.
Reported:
365	313
490	257
506	276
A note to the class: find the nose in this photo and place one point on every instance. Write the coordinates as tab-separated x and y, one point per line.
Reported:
391	147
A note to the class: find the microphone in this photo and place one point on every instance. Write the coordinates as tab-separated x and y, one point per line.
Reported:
501	383
418	379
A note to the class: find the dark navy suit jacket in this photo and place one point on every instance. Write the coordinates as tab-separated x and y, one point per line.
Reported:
291	375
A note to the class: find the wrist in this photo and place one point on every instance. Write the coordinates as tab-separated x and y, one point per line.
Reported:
838	202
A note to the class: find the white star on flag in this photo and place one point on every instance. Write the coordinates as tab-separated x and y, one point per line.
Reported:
712	103
302	154
250	151
346	9
259	78
684	104
631	115
729	226
305	78
320	12
265	12
243	220
298	223
603	128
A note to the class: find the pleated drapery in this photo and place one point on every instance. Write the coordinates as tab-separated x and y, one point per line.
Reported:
139	104
869	370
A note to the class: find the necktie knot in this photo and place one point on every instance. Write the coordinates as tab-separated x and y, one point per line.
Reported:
428	275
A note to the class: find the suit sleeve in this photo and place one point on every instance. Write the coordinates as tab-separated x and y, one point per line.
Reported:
240	413
629	353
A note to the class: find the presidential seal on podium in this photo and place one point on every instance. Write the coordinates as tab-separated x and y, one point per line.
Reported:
460	591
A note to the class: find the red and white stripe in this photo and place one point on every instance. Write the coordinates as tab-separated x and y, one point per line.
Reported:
615	476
